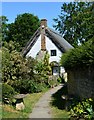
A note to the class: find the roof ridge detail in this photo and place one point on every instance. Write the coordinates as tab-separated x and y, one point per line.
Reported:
55	37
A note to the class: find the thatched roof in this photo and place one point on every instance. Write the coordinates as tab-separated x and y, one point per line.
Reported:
57	39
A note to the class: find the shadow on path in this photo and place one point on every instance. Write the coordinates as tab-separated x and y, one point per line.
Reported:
57	100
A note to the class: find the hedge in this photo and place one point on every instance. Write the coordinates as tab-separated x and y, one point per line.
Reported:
81	56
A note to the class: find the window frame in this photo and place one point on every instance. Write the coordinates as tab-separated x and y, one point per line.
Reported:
53	53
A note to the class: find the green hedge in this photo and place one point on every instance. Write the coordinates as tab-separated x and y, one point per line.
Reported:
7	93
79	57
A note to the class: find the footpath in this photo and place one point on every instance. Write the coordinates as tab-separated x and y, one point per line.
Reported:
42	108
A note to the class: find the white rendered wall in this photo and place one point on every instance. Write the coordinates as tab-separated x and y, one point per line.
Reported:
35	48
51	46
62	70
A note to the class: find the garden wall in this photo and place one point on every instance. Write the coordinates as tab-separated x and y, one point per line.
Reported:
81	82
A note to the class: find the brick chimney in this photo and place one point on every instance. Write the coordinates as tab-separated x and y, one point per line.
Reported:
43	39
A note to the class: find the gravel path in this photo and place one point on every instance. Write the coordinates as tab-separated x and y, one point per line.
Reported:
42	108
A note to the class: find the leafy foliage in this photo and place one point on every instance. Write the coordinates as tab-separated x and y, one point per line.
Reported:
22	29
24	86
5	64
11	45
47	67
25	75
15	67
83	109
75	22
43	69
7	93
81	56
3	28
0	64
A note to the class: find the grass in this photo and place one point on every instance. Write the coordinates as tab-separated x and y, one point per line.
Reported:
57	113
57	104
9	111
0	110
0	99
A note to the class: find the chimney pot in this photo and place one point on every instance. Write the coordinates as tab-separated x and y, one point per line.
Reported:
43	22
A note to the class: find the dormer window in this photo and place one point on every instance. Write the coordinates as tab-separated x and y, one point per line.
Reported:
53	53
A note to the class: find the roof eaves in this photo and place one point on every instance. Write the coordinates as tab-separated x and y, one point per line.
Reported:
31	42
59	40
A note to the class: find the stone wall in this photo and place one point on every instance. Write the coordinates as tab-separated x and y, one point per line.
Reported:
81	82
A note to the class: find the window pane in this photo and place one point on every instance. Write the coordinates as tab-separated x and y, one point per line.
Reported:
53	52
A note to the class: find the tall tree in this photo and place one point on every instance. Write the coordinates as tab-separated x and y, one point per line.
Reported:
3	28
75	22
23	28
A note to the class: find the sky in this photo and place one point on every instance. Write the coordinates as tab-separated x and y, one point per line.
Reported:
36	0
47	10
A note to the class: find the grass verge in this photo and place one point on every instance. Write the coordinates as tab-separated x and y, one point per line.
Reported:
9	111
57	113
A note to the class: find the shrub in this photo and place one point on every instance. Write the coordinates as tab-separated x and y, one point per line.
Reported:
43	67
81	56
15	67
22	86
28	86
38	87
83	109
53	83
7	93
60	80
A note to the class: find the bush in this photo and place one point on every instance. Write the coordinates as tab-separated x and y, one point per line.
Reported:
23	86
81	56
7	93
28	86
38	88
53	83
60	80
43	69
15	67
83	109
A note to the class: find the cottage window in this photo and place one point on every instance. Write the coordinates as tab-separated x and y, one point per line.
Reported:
53	52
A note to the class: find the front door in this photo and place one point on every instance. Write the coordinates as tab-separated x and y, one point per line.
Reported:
55	70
